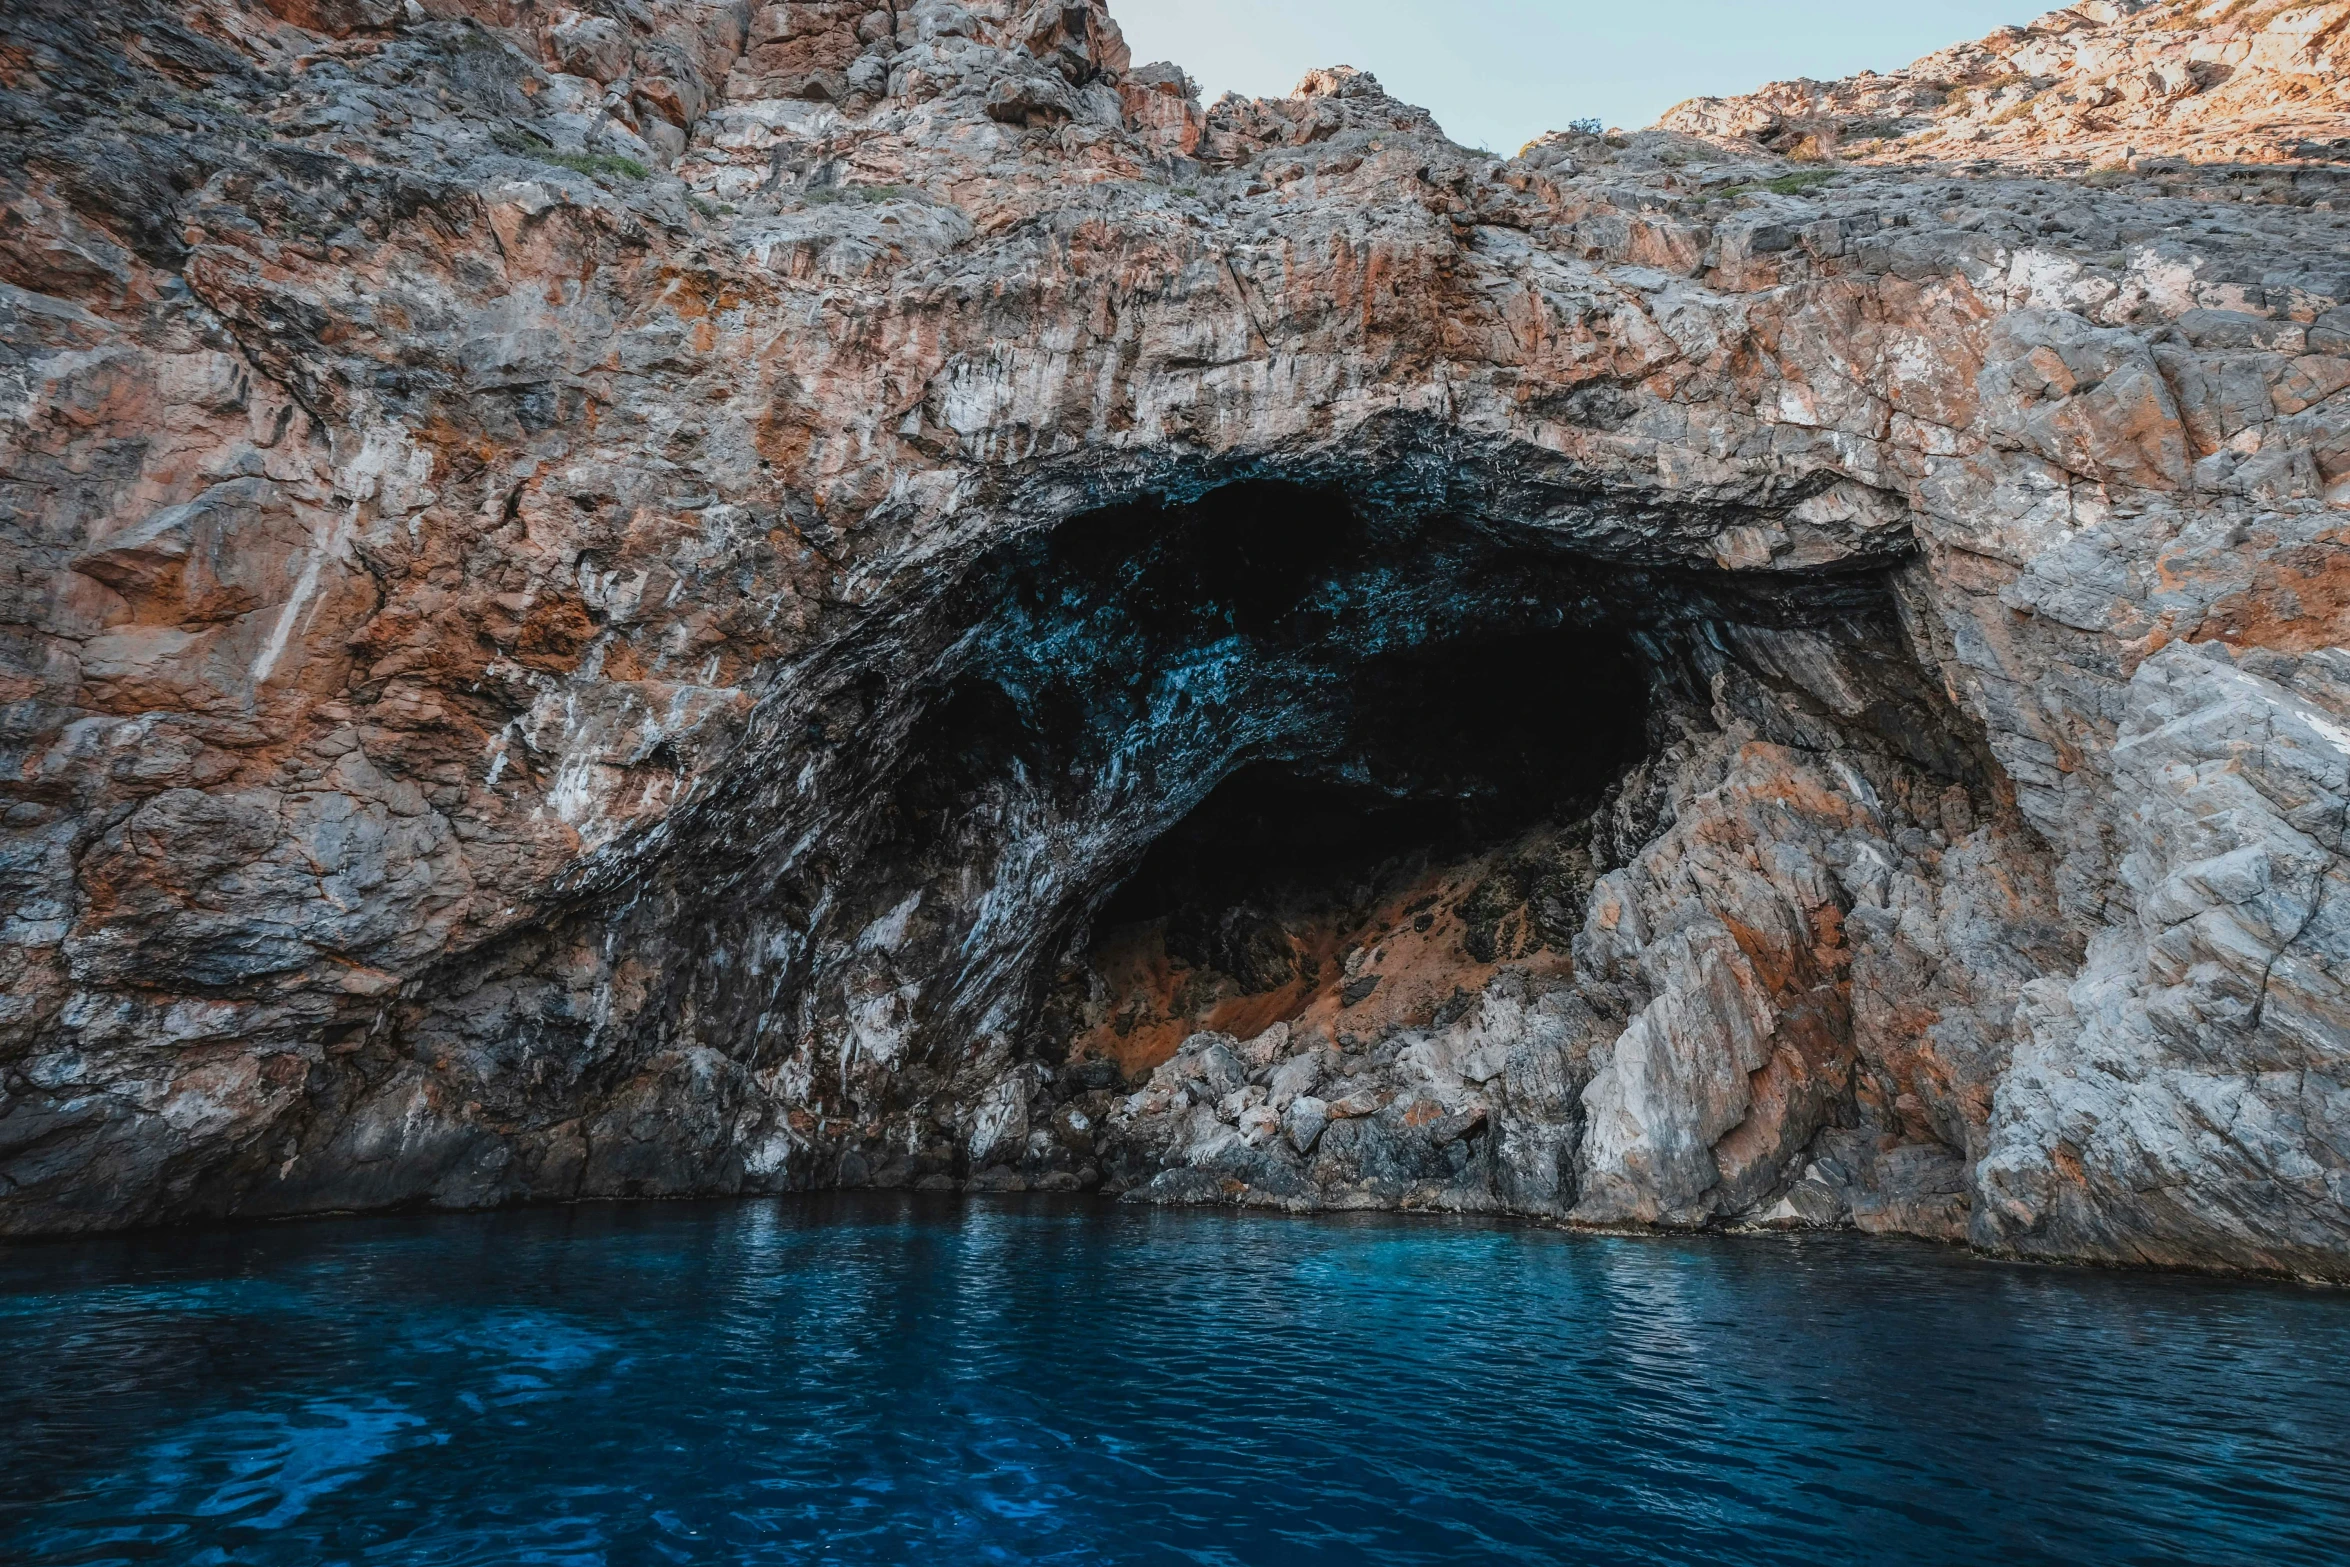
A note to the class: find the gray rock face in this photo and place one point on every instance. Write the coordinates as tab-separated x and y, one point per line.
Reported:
2199	1046
632	605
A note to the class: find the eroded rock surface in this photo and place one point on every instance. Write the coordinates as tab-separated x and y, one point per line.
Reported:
601	601
2144	93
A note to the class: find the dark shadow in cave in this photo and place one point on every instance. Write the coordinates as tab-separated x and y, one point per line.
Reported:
1441	751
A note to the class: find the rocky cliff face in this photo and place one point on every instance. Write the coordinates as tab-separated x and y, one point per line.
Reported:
2249	98
680	596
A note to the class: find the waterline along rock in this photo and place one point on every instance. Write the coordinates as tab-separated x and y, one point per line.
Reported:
688	596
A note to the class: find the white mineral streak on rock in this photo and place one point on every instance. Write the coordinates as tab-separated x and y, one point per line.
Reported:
1000	1124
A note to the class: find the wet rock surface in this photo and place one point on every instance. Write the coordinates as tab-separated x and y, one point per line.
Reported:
640	599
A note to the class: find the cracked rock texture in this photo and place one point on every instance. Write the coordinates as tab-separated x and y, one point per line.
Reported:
2152	94
628	599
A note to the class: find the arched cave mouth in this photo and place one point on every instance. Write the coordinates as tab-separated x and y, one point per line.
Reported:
1183	765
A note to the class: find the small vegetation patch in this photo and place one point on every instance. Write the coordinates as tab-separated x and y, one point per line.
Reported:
597	165
1962	99
2016	110
1801	181
529	144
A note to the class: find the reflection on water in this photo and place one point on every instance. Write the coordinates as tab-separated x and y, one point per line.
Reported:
262	1471
890	1380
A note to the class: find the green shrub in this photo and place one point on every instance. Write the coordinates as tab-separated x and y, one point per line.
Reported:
2016	110
529	144
597	164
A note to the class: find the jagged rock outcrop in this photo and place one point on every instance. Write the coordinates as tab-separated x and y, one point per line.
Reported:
2249	98
601	602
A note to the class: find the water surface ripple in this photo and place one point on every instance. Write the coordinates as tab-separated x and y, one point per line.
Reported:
895	1380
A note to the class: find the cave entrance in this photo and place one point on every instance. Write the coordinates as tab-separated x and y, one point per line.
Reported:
1435	832
1258	720
1273	756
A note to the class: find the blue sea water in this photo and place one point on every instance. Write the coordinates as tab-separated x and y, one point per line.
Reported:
898	1380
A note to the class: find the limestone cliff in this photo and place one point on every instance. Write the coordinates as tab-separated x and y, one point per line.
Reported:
685	596
2250	97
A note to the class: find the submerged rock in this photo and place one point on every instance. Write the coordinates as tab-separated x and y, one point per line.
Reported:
745	597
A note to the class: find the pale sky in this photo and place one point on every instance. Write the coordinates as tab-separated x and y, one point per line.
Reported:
1498	73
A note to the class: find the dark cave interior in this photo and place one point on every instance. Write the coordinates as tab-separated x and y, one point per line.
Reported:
1206	745
1437	755
1269	709
1442	751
